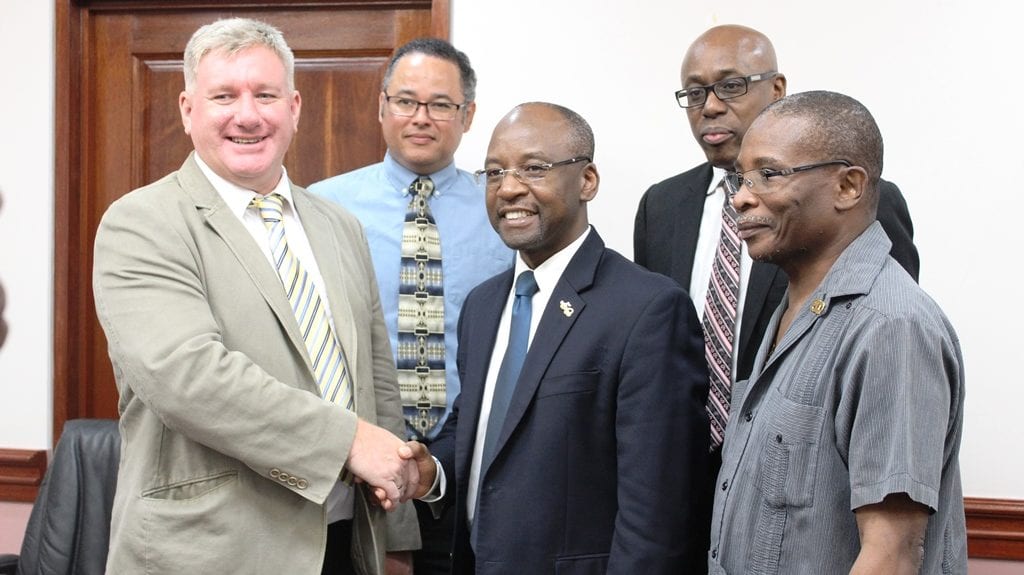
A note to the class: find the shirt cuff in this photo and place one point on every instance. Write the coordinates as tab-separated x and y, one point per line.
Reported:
438	488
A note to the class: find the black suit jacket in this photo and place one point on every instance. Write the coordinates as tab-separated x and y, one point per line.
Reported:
599	467
665	238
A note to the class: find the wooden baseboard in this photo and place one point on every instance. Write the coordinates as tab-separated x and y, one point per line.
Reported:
21	472
995	528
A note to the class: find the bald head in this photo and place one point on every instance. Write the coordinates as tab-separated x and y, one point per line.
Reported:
743	45
728	52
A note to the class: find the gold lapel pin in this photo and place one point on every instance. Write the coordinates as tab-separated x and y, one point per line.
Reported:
817	306
566	308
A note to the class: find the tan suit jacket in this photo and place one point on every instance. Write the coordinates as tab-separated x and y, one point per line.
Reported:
228	450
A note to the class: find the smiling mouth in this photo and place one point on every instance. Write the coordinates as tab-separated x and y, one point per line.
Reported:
246	141
516	215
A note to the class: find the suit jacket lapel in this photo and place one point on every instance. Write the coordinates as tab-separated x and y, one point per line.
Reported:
687	228
482	330
762	279
323	242
226	225
551	331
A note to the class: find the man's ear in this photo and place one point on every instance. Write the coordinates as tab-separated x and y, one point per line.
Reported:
779	86
185	107
468	117
591	180
853	186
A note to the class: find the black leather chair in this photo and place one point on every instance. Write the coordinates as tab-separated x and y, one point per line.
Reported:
69	528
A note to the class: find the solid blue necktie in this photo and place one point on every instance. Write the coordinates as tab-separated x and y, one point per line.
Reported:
511	364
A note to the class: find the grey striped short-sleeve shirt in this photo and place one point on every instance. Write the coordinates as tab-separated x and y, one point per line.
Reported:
862	398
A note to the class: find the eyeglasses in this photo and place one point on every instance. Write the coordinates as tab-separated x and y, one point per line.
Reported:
728	88
402	106
759	185
527	174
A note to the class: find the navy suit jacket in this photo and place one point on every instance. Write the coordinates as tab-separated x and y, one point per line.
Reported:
665	239
599	466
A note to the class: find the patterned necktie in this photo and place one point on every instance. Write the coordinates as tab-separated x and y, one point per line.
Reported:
329	365
720	319
421	353
511	364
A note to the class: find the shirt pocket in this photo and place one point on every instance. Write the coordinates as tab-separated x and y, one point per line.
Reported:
789	454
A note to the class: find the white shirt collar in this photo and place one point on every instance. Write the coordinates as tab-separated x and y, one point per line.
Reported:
548	272
238	198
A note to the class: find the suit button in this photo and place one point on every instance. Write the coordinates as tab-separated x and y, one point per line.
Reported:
748	416
283	478
292	481
275	472
714	553
302	484
725	485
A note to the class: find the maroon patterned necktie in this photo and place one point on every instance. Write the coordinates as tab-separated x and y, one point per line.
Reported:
720	319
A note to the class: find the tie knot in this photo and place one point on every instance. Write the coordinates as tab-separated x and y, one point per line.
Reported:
422	186
728	192
271	207
526	284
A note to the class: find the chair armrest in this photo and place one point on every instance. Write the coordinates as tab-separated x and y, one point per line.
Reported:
8	564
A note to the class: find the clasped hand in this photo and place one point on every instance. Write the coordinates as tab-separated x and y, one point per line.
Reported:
397	471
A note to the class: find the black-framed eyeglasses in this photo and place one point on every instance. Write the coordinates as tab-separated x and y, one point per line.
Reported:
438	110
526	174
728	88
758	181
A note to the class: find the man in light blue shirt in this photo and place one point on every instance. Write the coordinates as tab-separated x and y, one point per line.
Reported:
426	104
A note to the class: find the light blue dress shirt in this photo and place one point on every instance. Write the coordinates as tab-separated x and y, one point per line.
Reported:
471	250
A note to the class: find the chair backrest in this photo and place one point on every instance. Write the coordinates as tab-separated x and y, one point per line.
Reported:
69	528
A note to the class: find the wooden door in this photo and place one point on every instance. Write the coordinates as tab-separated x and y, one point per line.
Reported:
119	73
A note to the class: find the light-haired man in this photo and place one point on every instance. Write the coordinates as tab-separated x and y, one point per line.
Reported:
253	367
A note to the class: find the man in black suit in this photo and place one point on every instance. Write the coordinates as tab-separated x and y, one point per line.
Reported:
597	463
730	74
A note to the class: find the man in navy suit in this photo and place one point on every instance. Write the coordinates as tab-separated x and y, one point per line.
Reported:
598	463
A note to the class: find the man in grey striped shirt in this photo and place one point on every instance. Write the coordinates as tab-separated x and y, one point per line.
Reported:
842	452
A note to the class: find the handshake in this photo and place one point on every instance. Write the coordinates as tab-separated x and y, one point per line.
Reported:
396	471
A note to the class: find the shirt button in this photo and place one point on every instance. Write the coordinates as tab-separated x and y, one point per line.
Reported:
748	416
778	438
725	485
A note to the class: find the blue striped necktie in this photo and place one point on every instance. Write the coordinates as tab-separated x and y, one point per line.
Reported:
511	365
325	352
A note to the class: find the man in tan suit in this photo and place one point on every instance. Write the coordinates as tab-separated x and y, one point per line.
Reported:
232	462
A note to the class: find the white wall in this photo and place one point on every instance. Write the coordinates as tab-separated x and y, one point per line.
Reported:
26	222
926	73
927	70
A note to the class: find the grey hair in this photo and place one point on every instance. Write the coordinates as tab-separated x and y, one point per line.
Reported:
438	49
231	36
841	127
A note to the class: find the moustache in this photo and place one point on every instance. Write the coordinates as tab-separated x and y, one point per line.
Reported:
758	220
